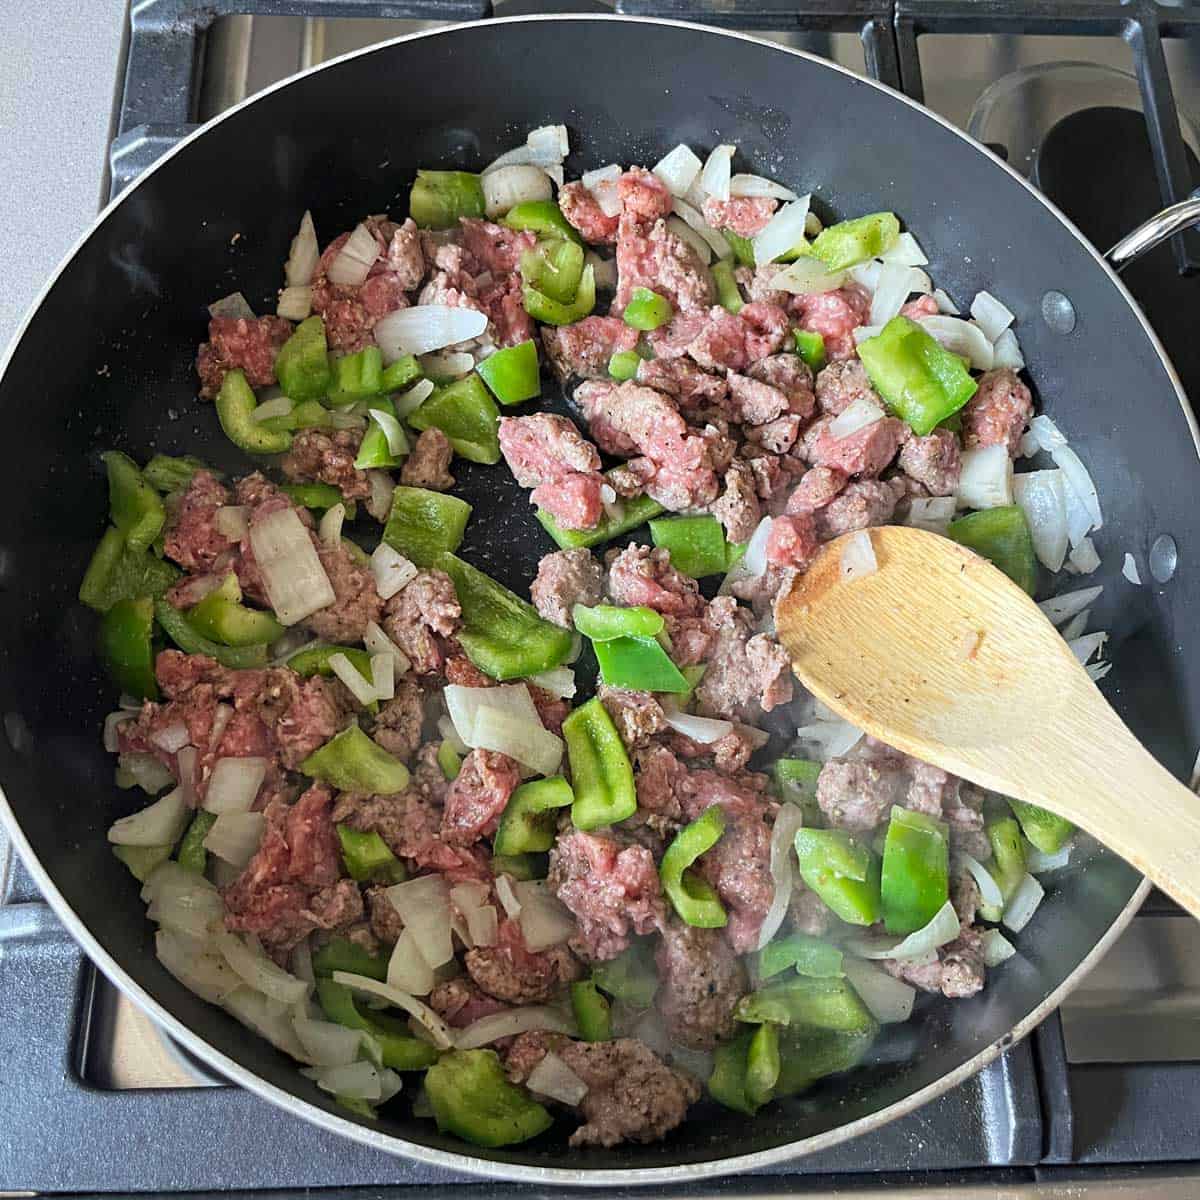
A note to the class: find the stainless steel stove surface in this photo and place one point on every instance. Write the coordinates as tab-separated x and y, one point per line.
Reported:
1105	1099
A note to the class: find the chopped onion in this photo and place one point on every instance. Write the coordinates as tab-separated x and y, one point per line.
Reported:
303	255
961	337
521	156
158	824
327	1044
408	402
382	488
560	682
397	441
1006	351
111	722
329	530
687	234
508	898
986	480
1042	498
506	187
171	738
1023	903
933	513
694	218
1038	861
807	276
757	186
828	739
426	327
604	270
889	1000
1048	435
438	1030
301	961
608	174
463	705
355	1080
234	306
1062	608
469	894
946	306
230	521
383	676
783	872
253	966
1076	477
186	761
424	906
1076	626
221	718
891	291
294	303
363	690
196	965
704	730
234	783
996	948
446	364
182	900
942	928
545	922
866	274
1130	571
716	174
531	744
295	580
393	572
266	1017
783	232
678	169
354	260
450	734
1083	560
483	925
905	251
492	1028
235	836
858	556
989	889
1084	648
407	969
855	416
864	333
378	642
992	317
553	139
553	1078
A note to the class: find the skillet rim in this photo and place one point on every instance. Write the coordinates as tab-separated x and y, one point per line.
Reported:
470	1163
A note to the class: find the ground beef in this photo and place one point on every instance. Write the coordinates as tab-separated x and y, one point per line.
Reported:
509	971
386	924
398	726
747	216
460	1002
770	475
547	453
866	451
962	810
311	718
552	710
753	402
350	311
683	380
477	797
998	412
637	715
585	347
808	913
793	541
639	575
248	344
418	616
660	778
922	306
465	673
758	283
192	538
700	983
959	971
744	673
662	261
503	301
644	197
933	461
818	486
737	508
357	602
790	375
428	466
861	505
840	384
496	248
857	795
964	895
777	436
720	344
404	256
612	891
327	457
834	315
929	789
564	579
580	208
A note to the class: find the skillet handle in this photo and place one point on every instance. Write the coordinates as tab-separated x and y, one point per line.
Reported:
1157	229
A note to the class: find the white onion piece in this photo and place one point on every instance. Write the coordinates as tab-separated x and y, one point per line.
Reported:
424	906
492	1028
1006	352
544	921
397	441
717	171
1061	608
469	894
234	783
855	416
828	739
989	889
889	1000
1097	671
234	306
1083	560
382	488
1077	626
463	705
992	317
295	580
858	556
356	1081
182	900
604	270
1042	498
678	169
755	558
531	744
439	1032
407	969
301	961
268	1018
1023	903
1084	648
865	274
1038	861
196	965
221	718
757	186
294	303
450	734
110	728
426	327
521	156
508	898
986	480
1028	445
933	513
694	219
892	289
235	836
408	402
1130	570
483	925
446	364
158	824
392	571
704	730
1076	477
363	690
961	337
553	139
230	521
353	262
303	254
383	676
783	232
553	1078
258	971
807	276
942	928
921	283
186	762
171	738
279	406
905	251
378	642
329	528
506	187
783	870
560	682
996	948
687	234
1048	435
327	1044
607	174
945	305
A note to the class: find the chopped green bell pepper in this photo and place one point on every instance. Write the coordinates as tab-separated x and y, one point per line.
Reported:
743	248
692	897
914	883
922	382
521	867
1002	536
302	364
797	779
604	622
1007	865
375	450
528	822
762	1065
806	1055
466	413
351	762
729	296
819	1003
630	977
400	374
191	853
358	1106
811	956
367	856
308	414
126	646
179	629
117	573
693	675
553	312
141	860
811	348
320	497
133	504
603	778
592	1012
423	524
1046	831
314	660
472	1099
400	1050
727	1080
851	242
439	198
632	513
624	364
356	376
543	217
512	374
842	871
166	474
220	617
341	954
639	664
448	759
235	403
501	633
554	268
697	545
647	310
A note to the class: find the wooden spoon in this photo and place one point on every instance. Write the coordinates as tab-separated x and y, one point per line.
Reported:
939	654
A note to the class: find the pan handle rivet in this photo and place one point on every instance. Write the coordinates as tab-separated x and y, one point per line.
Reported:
1164	557
1058	312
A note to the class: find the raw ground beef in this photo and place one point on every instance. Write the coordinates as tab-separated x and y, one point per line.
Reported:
998	412
547	453
747	216
637	715
840	384
933	461
509	971
564	579
242	344
397	728
357	602
477	797
580	208
639	575
865	452
585	347
662	261
834	315
192	538
318	456
746	674
859	506
420	615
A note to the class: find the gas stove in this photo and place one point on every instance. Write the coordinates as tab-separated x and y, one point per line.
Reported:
1094	100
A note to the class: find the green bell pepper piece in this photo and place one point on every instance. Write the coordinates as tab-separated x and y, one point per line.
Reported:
554	268
1047	831
141	860
320	497
692	897
697	545
308	414
762	1065
358	1106
472	1099
439	198
501	633
1002	536
603	779
630	977
842	871
915	882
806	1055
166	474
729	296
126	648
449	760
727	1080
302	364
592	1012
922	382
133	504
521	867
466	413
851	242
314	660
743	248
222	619
639	664
423	524
191	853
117	573
341	954
235	403
366	856
647	310
810	956
819	1003
633	513
351	762
553	312
375	450
400	374
811	348
604	622
401	1051
797	779
356	376
693	675
624	364
543	217
179	629
1007	866
513	374
528	822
